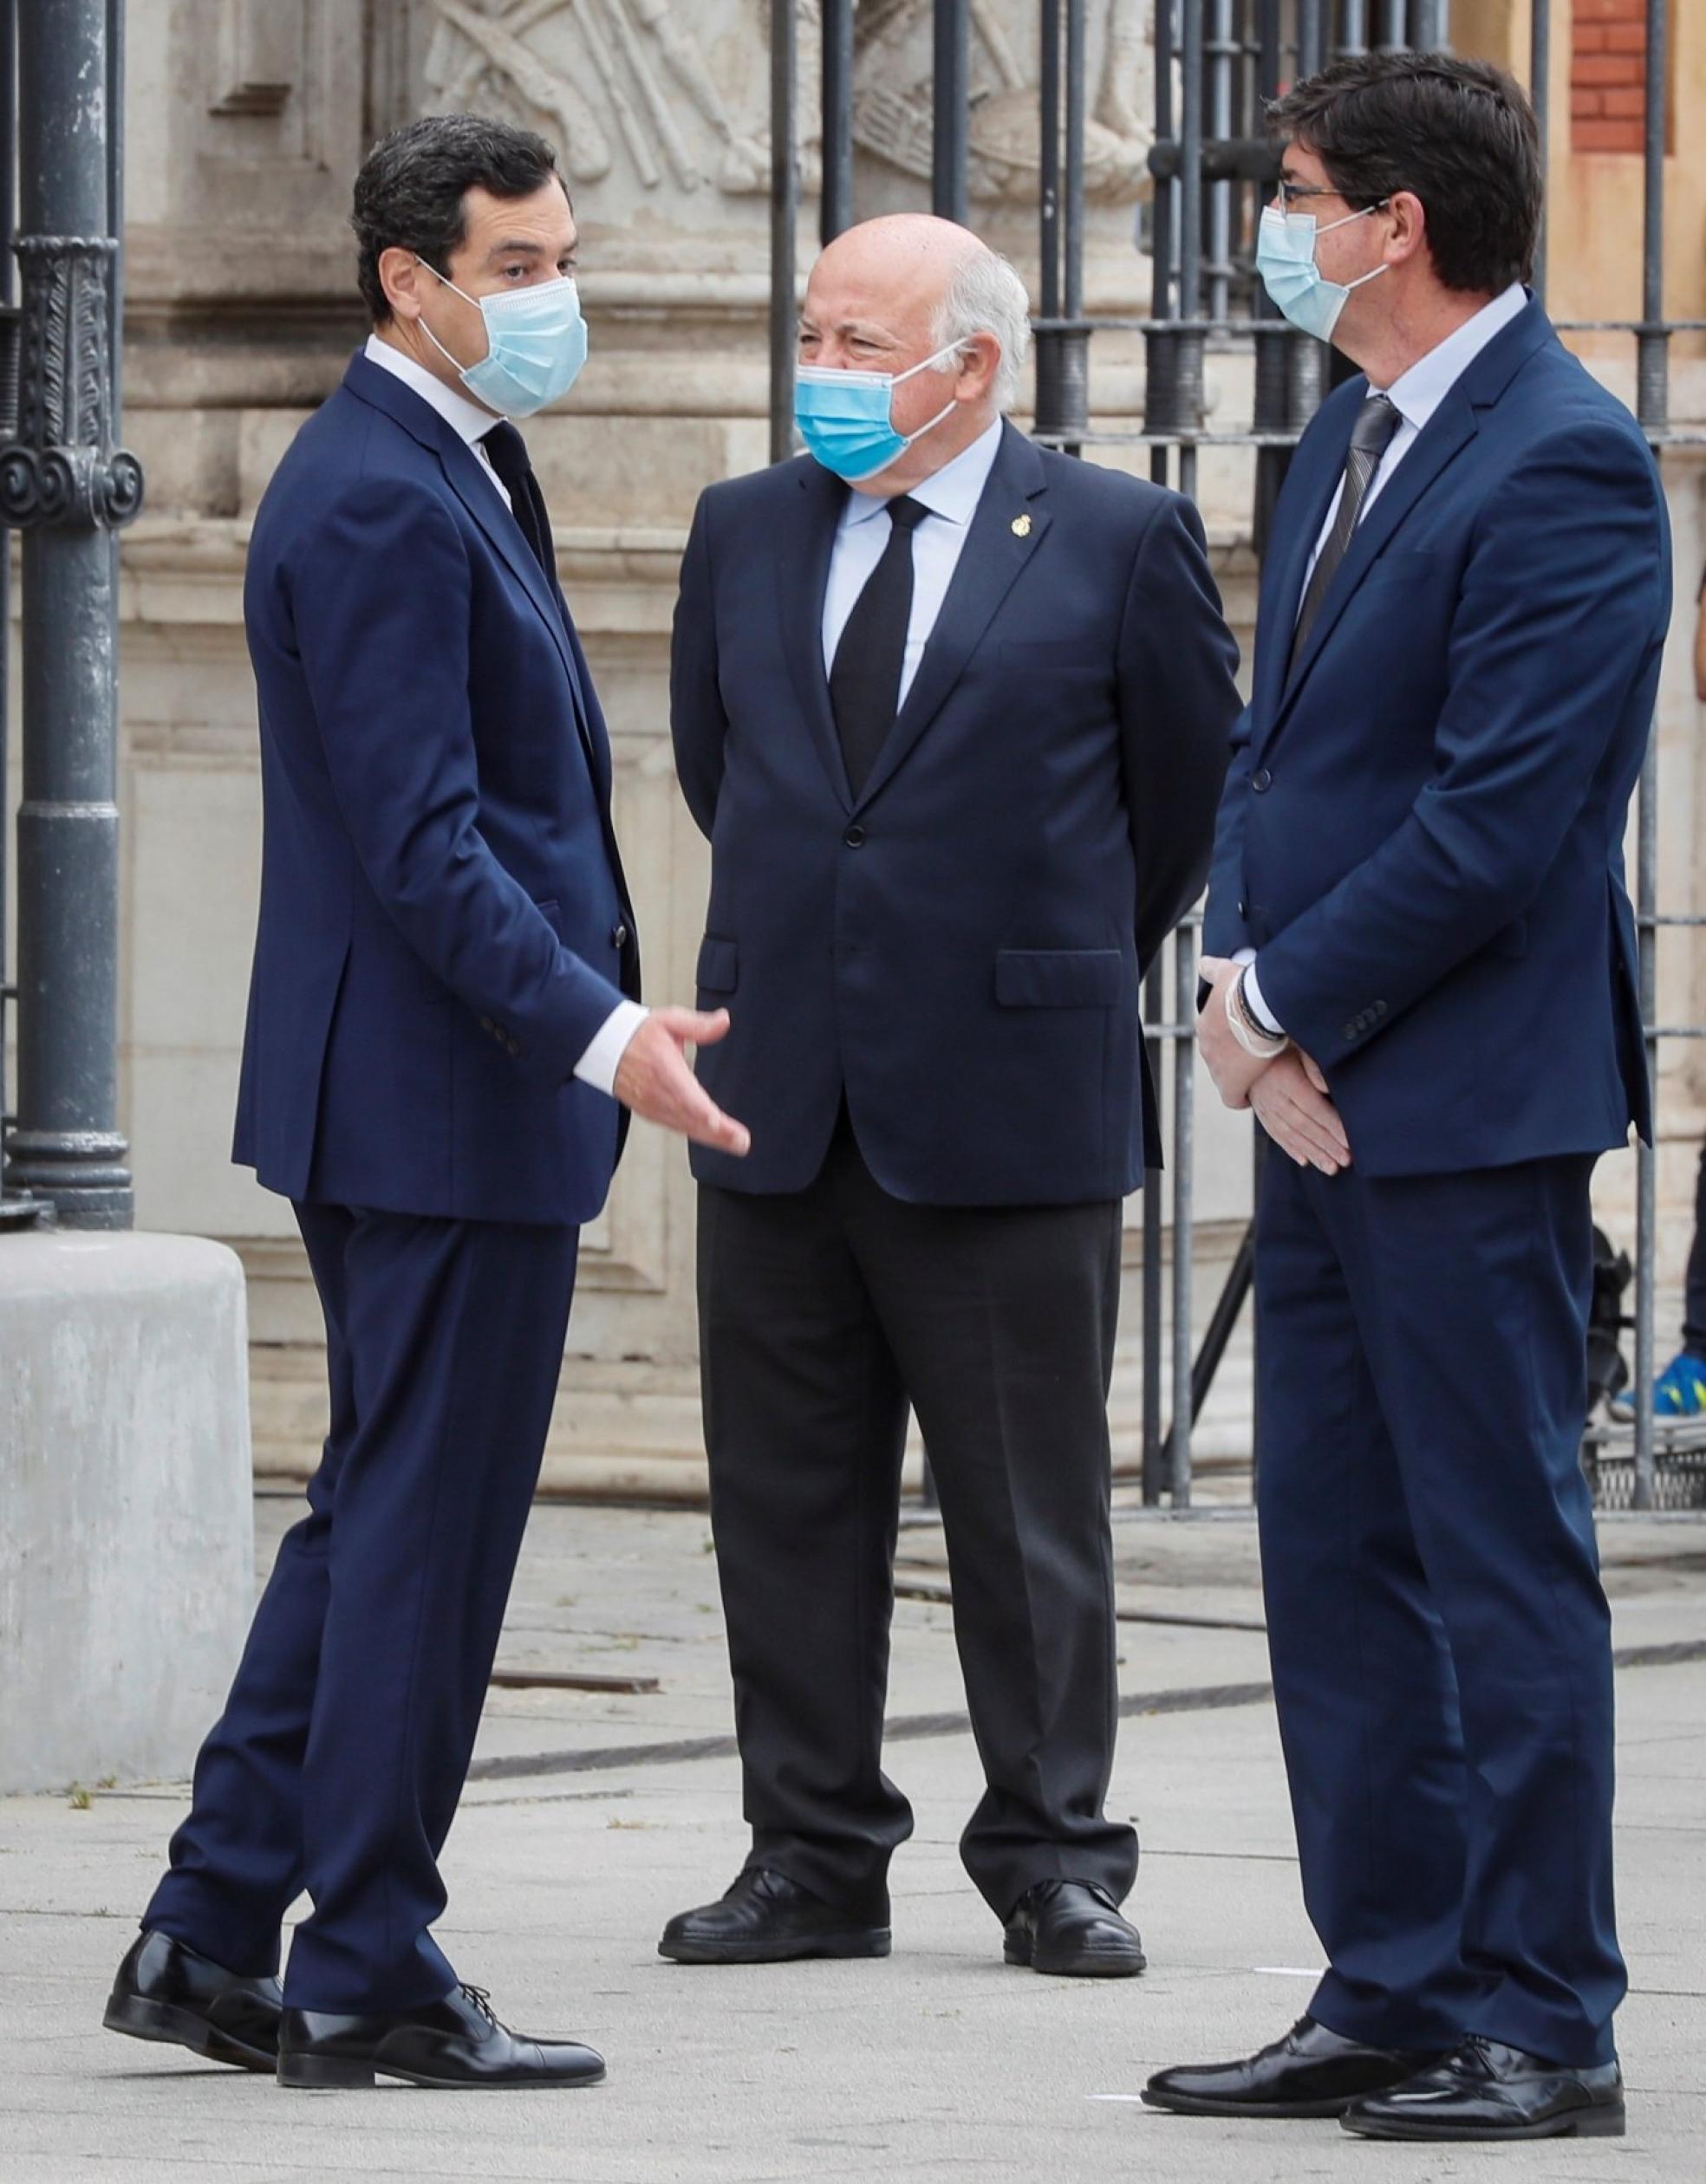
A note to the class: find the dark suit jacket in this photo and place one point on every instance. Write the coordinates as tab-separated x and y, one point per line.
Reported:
957	948
1422	832
443	924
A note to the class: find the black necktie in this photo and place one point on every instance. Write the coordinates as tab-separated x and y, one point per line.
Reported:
1370	435
865	679
508	451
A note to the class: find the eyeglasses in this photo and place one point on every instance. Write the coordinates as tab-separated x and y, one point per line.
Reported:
1291	193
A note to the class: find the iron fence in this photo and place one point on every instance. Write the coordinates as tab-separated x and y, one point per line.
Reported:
1217	63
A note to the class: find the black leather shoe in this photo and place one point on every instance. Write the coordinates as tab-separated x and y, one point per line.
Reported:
455	2044
1069	1927
1312	2071
1484	2090
165	1992
765	1918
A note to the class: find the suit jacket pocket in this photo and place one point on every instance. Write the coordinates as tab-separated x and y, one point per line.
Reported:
718	964
1058	978
551	911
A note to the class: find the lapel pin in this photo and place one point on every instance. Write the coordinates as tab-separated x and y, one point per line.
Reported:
1021	527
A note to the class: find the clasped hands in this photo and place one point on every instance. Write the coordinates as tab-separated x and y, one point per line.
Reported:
1288	1092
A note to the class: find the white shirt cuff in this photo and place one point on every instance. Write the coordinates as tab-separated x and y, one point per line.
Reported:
598	1065
1252	994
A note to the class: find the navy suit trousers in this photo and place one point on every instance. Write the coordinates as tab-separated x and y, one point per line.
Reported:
1440	1640
345	1742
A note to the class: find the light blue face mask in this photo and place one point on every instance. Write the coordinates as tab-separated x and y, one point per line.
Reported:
1286	260
846	418
536	344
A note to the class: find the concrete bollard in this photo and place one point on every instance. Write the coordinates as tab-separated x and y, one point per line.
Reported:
127	1531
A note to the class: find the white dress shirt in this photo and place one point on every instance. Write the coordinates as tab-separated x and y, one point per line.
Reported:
598	1065
951	495
463	415
1416	395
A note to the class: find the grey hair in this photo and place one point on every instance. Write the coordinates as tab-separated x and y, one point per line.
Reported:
986	295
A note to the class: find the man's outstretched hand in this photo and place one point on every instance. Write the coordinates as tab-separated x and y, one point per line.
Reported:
654	1079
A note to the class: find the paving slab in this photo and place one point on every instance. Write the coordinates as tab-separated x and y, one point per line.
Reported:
940	2063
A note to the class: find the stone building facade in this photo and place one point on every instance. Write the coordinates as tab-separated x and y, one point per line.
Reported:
246	121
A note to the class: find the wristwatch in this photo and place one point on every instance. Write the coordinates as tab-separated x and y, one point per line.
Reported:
1257	1041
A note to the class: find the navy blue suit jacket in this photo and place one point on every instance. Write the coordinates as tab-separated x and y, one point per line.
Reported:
443	925
1422	833
957	947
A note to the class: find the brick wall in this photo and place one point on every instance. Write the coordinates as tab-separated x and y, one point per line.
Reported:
1608	64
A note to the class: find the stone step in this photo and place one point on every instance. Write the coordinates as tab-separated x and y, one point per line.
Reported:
642	1439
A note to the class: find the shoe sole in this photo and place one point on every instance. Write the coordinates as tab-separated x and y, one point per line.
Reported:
1266	2111
329	2074
854	1942
176	2027
1112	1964
1585	2123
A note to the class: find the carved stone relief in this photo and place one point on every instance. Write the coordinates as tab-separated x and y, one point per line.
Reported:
657	101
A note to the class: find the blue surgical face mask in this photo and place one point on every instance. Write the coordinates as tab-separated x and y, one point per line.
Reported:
846	418
536	344
1286	260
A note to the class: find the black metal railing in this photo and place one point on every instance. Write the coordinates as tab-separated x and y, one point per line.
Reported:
17	1209
68	489
1218	63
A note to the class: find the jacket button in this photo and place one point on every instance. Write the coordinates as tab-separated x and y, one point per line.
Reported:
1349	1031
1261	781
855	837
486	1024
1243	910
619	936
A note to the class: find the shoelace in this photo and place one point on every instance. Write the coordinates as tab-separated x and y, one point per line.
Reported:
481	1998
1473	2057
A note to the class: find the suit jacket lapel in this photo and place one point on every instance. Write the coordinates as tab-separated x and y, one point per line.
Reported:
1282	594
1447	430
479	496
803	548
1450	429
989	564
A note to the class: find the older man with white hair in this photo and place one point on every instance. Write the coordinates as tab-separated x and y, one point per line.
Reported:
954	711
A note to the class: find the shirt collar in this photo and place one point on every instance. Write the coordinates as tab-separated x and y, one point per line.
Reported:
953	491
462	416
1416	393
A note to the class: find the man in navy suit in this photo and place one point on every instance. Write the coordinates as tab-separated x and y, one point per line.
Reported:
444	1002
1424	973
952	710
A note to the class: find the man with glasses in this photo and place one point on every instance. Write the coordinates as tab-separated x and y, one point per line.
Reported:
1422	979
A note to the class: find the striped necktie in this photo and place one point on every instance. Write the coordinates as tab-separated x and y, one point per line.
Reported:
1370	435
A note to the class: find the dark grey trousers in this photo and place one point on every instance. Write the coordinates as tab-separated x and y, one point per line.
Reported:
823	1314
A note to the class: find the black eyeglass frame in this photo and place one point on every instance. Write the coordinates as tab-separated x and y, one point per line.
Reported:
1289	194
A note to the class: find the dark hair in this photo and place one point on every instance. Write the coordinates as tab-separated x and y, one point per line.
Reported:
1459	134
411	191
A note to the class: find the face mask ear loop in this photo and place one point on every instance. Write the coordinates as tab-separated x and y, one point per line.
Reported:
932	426
923	364
445	282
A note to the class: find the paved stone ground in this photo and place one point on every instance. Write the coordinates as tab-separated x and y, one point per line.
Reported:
593	1820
